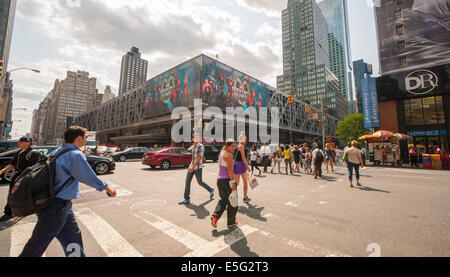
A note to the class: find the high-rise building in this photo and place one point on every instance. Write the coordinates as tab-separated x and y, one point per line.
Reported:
107	95
7	12
412	34
133	71
336	15
68	98
359	71
306	60
414	89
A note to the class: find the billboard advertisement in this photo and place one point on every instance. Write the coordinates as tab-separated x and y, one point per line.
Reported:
177	87
413	33
223	86
370	103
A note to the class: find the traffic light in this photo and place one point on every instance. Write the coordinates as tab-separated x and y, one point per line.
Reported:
1	68
319	124
291	99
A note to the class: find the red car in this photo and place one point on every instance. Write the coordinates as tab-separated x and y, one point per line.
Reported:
167	158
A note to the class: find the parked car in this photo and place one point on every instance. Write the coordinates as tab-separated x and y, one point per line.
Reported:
211	153
129	154
111	150
5	158
101	150
100	165
167	158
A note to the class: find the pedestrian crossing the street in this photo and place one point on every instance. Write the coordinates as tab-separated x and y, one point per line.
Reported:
114	244
109	236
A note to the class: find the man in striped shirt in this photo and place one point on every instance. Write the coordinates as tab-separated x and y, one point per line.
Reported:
196	168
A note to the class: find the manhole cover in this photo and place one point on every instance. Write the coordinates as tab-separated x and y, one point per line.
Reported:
148	205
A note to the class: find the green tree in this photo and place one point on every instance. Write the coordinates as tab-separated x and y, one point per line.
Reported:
352	127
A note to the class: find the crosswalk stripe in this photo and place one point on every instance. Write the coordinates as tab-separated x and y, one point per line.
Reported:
183	236
112	243
217	246
20	234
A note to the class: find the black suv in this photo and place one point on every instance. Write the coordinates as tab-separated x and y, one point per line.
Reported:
211	153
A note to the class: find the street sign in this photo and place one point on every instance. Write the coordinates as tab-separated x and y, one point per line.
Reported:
313	116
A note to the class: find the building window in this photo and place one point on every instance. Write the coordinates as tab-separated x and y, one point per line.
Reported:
399	30
401	45
403	61
398	14
425	111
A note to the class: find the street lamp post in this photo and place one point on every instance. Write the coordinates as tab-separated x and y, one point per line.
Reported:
21	68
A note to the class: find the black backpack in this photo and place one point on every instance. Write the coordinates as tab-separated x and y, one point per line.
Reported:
33	189
319	157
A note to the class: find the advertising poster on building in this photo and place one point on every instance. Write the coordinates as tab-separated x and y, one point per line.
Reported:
222	86
419	31
370	103
176	87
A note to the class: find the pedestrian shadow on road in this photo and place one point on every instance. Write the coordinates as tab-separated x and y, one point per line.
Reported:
329	178
200	211
162	170
365	188
241	247
7	224
252	212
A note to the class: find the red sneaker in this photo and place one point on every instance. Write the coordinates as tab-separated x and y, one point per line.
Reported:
214	221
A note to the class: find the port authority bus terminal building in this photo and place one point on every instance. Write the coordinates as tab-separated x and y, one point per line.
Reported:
142	116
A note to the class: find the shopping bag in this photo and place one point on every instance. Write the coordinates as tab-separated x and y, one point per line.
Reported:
233	198
252	181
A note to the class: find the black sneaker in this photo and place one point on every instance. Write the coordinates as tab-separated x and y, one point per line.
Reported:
5	218
232	225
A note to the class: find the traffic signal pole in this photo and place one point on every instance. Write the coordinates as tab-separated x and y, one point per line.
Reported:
323	118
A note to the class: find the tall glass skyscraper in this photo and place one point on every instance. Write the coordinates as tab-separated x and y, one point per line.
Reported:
306	57
7	11
336	15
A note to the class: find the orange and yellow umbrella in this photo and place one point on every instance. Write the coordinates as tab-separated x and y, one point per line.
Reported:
401	136
384	135
366	137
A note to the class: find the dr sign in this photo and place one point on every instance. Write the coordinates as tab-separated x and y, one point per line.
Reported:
421	82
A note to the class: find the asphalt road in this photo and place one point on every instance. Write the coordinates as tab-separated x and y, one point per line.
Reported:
397	212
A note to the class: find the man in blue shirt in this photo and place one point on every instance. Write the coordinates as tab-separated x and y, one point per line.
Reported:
58	220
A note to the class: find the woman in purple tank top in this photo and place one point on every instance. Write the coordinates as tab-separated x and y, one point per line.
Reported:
241	165
226	184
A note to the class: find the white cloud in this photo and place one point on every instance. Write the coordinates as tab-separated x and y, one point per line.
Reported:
271	8
99	32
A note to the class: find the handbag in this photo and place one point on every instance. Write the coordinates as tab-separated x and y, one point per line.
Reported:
345	158
252	181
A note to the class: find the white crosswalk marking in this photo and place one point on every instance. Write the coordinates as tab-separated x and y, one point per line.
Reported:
20	234
183	236
217	246
107	237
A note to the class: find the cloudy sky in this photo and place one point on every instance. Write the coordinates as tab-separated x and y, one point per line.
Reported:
59	35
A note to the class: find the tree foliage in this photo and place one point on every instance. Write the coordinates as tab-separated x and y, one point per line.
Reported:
352	127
